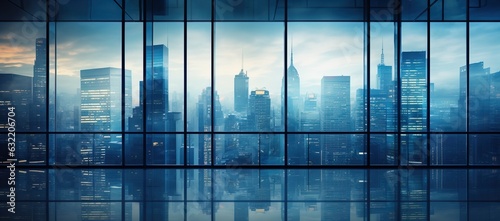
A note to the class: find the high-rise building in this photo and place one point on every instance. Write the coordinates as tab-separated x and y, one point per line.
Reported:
292	116
292	87
160	148
336	117
384	74
309	121
490	152
38	120
259	110
478	108
382	115
359	117
205	123
241	92
259	119
413	112
156	90
15	92
101	99
413	91
482	107
101	111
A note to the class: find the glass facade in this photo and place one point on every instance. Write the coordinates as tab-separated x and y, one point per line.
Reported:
249	109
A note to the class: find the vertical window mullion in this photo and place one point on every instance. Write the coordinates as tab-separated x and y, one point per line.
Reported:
397	18
467	62
123	112
367	21
285	89
212	68
185	138
428	117
47	109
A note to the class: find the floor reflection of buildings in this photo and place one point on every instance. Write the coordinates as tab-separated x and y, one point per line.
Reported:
252	194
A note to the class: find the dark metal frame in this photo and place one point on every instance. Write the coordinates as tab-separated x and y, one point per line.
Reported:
145	19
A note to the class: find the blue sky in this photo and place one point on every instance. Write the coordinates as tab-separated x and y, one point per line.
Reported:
320	49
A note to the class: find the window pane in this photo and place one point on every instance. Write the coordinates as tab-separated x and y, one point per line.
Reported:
483	185
88	77
413	84
249	10
448	10
199	97
85	10
448	184
199	10
304	149
164	89
251	94
413	10
447	53
448	149
483	149
383	102
383	149
325	10
484	10
448	210
24	11
163	184
134	87
249	149
134	149
164	149
483	79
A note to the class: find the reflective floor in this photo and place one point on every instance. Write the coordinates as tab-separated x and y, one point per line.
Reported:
68	194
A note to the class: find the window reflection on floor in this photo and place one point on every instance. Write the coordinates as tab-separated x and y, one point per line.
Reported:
257	194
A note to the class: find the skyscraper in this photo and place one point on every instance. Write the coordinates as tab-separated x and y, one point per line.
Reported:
156	90
293	96
479	86
384	74
336	117
482	108
101	111
15	91
205	123
259	119
101	99
413	106
38	120
310	121
292	86
413	91
382	115
259	110
241	92
161	148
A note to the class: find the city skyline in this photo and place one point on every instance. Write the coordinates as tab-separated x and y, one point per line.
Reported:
293	110
336	111
199	55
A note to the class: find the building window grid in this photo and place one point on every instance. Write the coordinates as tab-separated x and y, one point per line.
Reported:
367	21
428	132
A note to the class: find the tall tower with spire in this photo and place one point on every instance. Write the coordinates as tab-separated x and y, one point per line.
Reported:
293	95
241	90
291	115
384	74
